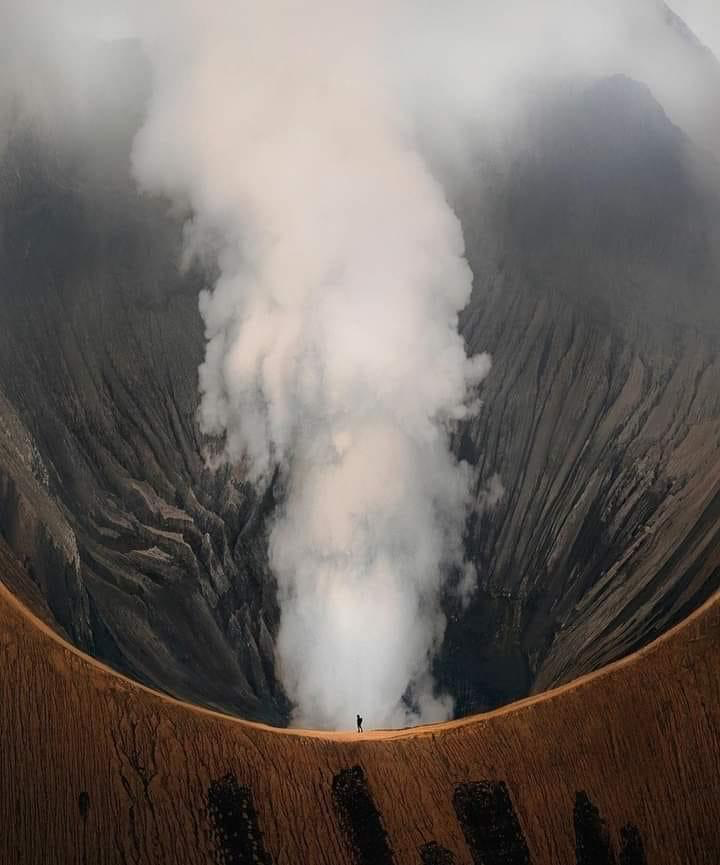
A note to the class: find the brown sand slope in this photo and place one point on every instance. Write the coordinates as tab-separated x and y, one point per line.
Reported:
620	767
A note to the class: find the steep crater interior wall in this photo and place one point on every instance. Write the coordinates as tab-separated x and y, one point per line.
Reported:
595	292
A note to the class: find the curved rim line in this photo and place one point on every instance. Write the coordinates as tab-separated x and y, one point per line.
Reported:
421	730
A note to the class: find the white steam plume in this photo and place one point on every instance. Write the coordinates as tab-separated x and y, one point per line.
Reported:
333	353
333	350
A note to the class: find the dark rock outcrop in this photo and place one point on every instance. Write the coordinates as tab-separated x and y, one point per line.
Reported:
597	294
148	559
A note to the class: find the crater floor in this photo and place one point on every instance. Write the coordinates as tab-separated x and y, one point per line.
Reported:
621	765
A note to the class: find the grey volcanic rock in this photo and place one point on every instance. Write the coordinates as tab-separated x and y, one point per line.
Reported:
596	290
597	293
146	557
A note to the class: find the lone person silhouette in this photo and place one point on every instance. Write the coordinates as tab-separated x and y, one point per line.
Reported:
359	723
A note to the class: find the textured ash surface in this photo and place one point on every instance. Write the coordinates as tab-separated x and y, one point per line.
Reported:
618	767
594	249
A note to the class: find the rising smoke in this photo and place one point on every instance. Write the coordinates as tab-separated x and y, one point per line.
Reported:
333	356
297	132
